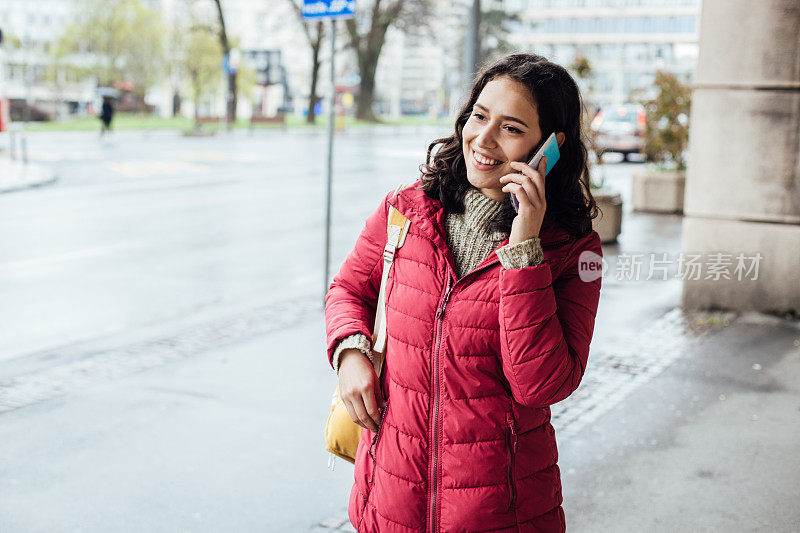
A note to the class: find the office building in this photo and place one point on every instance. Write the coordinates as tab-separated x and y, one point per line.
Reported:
625	41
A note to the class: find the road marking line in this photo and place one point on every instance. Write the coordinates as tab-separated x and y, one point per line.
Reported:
68	256
145	168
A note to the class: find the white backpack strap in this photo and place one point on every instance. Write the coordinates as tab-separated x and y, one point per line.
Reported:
396	229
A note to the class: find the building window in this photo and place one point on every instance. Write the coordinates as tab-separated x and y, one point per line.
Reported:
635	52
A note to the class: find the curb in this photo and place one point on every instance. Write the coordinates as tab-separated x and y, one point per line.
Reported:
16	175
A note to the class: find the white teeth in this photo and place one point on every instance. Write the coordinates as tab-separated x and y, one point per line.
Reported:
484	160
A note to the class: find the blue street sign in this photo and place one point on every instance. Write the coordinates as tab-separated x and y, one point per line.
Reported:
328	9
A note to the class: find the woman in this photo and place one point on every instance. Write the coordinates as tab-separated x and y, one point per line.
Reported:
489	316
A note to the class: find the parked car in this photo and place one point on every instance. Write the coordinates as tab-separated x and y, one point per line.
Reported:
620	128
20	110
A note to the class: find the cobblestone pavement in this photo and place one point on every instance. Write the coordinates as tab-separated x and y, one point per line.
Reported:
615	370
100	365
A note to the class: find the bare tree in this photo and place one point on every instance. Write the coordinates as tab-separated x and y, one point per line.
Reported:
226	50
494	30
315	34
486	39
367	40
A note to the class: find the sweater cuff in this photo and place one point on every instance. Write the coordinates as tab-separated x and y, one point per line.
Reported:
357	340
521	254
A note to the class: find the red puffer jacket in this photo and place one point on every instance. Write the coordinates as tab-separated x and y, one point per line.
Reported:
472	366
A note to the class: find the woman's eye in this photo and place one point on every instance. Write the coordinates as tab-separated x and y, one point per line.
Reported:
512	129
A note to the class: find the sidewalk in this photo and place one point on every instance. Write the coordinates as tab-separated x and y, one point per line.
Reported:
16	175
712	443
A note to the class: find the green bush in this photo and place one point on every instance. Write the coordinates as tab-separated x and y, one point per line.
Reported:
667	131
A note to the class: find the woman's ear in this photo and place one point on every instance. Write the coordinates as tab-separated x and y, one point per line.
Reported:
560	138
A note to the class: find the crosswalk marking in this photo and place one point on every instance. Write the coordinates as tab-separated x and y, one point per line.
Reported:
145	168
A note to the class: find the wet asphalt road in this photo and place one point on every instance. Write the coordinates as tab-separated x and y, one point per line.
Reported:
154	228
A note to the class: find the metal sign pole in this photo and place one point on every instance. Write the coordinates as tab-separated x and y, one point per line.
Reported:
329	170
331	10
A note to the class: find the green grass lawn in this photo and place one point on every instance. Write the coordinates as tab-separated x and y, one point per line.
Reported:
133	121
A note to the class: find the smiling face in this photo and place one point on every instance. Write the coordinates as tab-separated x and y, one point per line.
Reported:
503	127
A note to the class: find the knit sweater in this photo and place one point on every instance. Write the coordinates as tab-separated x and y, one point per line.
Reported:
470	242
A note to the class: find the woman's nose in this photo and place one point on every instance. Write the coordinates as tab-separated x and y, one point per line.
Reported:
485	137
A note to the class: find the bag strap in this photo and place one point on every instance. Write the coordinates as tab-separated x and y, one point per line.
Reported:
396	229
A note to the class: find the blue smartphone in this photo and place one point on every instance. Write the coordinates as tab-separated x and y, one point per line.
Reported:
549	149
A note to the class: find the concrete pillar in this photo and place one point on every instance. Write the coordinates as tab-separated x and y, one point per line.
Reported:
743	177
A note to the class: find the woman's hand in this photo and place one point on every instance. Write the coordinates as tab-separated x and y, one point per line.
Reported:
528	187
360	389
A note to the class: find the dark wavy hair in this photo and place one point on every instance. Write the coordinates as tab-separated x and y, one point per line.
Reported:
570	203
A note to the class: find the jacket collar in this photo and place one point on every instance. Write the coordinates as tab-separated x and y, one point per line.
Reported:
427	215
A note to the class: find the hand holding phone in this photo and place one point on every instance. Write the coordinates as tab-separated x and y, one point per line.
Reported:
550	150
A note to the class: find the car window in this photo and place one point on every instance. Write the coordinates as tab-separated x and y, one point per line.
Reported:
615	116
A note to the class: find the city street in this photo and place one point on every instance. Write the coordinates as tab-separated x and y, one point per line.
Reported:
163	277
162	345
153	228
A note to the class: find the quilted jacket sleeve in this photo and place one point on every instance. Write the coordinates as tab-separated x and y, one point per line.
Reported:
353	295
546	326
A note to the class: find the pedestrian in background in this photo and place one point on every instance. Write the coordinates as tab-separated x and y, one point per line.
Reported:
106	116
489	317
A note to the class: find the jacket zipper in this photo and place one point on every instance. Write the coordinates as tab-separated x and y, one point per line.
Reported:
374	443
512	448
439	319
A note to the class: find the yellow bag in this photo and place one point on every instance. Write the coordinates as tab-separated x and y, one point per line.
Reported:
341	433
